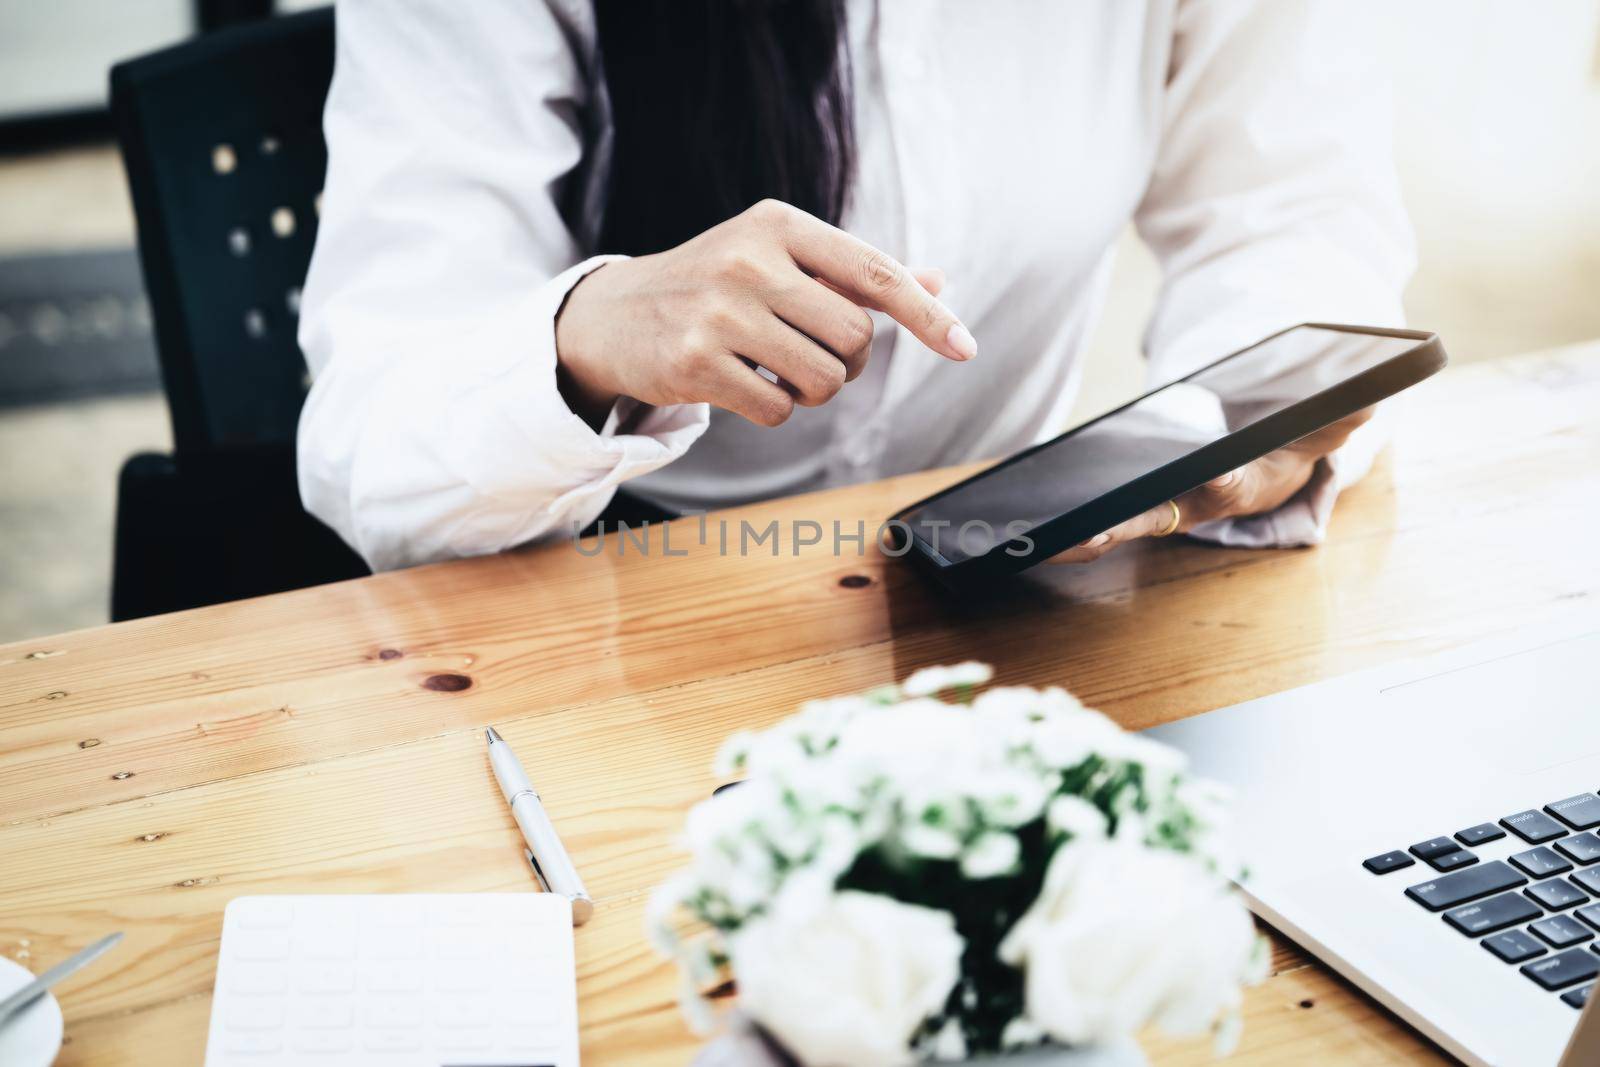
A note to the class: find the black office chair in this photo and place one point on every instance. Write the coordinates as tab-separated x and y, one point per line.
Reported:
222	141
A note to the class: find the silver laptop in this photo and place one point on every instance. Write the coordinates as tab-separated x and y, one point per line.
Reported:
1431	830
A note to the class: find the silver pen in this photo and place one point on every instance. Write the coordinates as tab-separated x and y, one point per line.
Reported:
545	853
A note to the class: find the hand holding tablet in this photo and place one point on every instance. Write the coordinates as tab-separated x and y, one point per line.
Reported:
1258	487
1265	415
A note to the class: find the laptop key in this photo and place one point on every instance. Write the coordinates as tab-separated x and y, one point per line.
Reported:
1389	861
1534	827
1561	931
1481	880
1452	860
1580	848
1580	812
1578	997
1540	862
1555	894
1588	880
1496	913
1432	847
1514	946
1590	913
1481	834
1563	969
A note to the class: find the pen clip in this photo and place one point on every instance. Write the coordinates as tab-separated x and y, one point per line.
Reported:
538	873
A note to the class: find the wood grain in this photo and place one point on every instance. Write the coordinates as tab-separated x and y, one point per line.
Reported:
330	740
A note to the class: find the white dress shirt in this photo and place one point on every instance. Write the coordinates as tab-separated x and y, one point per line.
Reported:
1006	142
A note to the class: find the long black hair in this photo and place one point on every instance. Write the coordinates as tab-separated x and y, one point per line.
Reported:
717	104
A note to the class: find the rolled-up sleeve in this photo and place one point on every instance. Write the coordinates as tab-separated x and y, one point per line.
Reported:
434	427
1274	201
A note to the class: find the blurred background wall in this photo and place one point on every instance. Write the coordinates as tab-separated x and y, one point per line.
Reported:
1497	139
1498	142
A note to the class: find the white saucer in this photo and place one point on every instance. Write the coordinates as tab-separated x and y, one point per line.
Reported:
32	1037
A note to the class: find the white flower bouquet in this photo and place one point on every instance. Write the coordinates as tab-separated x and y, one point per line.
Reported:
901	879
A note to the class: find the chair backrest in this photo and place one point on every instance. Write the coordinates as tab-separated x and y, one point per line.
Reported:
222	141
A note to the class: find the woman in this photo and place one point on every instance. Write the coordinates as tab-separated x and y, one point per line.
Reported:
770	166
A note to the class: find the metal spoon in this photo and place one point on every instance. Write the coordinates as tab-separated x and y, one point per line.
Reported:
36	988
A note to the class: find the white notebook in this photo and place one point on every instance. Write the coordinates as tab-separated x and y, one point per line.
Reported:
447	980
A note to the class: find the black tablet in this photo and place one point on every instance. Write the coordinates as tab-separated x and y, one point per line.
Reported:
1054	495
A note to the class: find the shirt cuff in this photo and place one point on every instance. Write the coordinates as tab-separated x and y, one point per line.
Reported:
537	440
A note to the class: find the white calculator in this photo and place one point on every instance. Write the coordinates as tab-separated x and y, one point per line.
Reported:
446	980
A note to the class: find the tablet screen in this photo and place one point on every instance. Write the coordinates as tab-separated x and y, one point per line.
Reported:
1160	427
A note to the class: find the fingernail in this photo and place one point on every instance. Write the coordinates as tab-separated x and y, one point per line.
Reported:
1224	481
1097	540
961	341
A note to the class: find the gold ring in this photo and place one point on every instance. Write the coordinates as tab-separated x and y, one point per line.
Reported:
1171	527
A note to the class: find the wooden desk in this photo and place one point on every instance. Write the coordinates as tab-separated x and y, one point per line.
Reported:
330	740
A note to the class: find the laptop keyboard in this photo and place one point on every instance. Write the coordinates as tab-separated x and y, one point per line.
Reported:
1537	909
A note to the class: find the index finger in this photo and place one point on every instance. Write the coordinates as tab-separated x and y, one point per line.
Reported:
876	280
